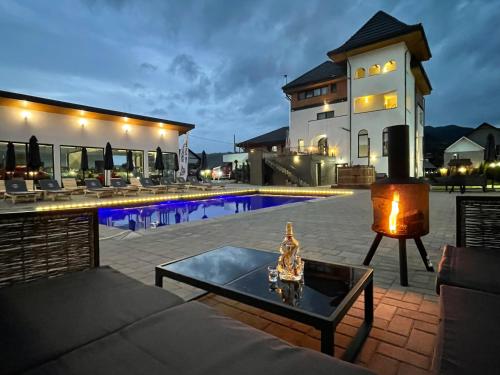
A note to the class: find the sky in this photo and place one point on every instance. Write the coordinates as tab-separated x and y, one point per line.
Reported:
220	64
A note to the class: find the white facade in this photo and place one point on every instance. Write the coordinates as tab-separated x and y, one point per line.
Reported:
343	129
61	129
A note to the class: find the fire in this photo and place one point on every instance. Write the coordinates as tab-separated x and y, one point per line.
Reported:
393	217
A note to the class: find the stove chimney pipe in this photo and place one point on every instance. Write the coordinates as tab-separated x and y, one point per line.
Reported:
399	152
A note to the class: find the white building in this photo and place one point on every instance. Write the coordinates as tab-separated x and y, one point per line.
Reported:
62	129
374	80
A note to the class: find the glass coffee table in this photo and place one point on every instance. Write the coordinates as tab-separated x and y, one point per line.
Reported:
321	300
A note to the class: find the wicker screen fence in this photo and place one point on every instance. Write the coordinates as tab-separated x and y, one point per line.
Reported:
478	221
37	245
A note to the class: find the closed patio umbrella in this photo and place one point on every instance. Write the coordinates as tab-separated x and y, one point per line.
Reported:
84	162
108	162
203	162
159	166
34	161
130	164
10	158
176	163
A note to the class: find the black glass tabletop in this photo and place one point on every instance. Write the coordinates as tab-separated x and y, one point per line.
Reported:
324	287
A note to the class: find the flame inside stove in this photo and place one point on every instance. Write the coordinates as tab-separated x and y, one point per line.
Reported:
393	217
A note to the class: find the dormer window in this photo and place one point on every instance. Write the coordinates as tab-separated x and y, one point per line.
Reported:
374	69
360	73
389	66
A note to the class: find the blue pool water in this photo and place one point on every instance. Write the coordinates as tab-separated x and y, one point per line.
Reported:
175	212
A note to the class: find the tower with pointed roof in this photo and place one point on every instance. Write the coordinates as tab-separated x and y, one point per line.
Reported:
374	80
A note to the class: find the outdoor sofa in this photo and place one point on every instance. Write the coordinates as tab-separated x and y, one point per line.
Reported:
468	283
64	314
461	181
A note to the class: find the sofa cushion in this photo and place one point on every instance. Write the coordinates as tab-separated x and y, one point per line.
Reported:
43	319
467	340
473	268
194	339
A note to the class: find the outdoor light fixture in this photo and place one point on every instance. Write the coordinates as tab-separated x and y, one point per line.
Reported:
443	171
162	133
126	128
296	159
83	122
26	114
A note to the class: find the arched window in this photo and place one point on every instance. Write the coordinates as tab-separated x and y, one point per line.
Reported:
390	66
363	144
374	69
360	73
323	146
385	142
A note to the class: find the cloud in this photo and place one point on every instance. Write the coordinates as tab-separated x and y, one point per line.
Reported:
220	64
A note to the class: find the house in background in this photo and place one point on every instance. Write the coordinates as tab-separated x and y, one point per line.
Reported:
472	146
341	108
273	141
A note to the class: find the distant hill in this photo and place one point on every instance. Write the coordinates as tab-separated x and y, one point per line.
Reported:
438	138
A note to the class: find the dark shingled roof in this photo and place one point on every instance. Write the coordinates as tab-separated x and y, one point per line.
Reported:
381	26
325	71
272	138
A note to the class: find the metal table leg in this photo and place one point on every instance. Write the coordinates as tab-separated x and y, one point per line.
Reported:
158	279
327	340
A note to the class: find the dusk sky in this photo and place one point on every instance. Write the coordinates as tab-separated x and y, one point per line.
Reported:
220	64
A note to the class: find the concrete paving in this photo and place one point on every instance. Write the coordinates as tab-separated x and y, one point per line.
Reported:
335	229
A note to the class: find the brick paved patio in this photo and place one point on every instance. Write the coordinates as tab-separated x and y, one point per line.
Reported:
332	229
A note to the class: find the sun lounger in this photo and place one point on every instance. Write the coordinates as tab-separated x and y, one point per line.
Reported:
71	185
149	185
94	187
16	190
171	185
52	190
193	181
121	187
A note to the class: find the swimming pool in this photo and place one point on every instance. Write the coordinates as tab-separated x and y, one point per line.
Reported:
175	212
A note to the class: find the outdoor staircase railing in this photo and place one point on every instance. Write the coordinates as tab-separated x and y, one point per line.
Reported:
287	172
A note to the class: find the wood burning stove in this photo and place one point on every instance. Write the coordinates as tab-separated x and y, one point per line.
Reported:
400	203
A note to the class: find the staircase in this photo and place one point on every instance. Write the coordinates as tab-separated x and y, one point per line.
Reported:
287	172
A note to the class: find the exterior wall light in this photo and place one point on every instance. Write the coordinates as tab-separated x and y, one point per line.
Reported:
26	115
296	159
162	133
83	123
126	128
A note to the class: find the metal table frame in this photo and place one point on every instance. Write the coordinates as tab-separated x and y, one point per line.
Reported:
326	325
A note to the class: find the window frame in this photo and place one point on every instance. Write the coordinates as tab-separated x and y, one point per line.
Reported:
51	145
364	133
326	115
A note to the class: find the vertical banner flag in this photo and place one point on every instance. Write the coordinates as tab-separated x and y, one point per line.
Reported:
183	172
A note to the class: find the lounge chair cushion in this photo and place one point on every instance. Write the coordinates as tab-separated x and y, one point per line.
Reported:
467	341
49	185
118	183
44	319
473	268
93	184
194	339
16	186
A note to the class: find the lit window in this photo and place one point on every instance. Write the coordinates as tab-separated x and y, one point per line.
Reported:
389	66
363	144
360	73
301	145
374	69
376	102
390	101
385	142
